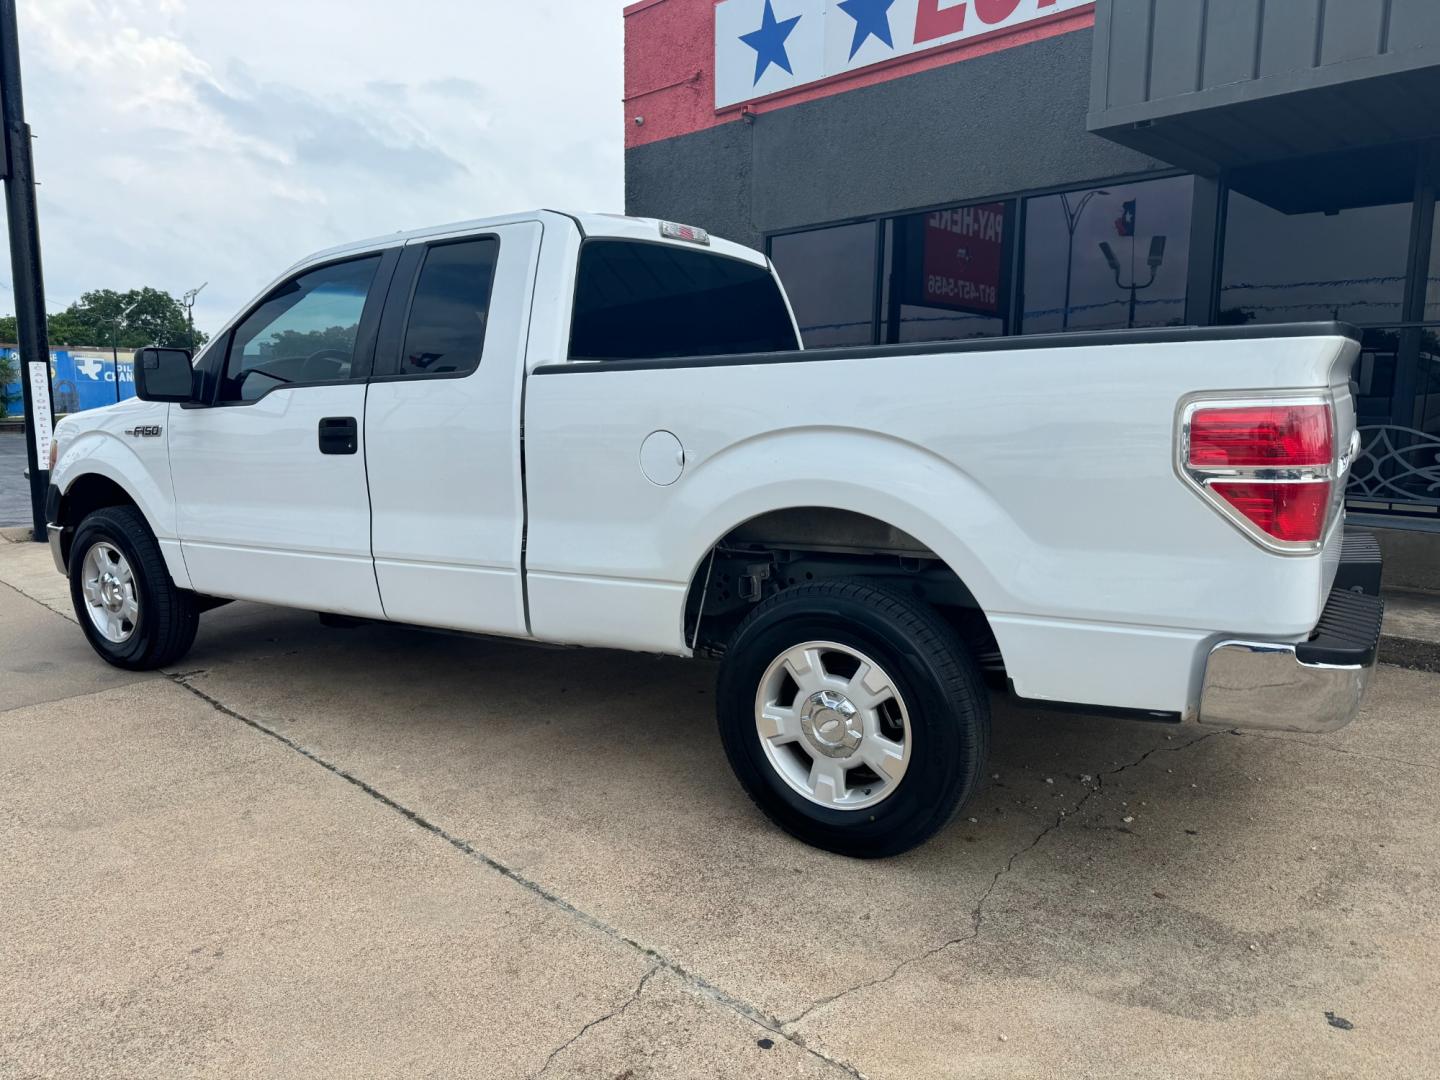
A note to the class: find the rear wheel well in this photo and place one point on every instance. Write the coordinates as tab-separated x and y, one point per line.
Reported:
785	548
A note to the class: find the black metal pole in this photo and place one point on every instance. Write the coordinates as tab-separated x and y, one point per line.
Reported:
1069	273
21	214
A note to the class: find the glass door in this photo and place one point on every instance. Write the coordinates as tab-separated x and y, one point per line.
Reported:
1355	239
1399	471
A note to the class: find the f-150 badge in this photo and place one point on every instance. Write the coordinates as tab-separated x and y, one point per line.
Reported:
147	431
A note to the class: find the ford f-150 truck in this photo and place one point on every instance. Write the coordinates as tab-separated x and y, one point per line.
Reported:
596	430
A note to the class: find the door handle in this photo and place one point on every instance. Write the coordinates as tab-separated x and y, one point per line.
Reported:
339	435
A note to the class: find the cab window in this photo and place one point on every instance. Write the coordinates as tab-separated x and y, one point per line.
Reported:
304	332
638	300
446	331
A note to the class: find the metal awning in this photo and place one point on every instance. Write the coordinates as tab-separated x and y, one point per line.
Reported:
1218	86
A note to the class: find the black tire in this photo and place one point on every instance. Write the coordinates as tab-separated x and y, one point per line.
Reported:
938	678
168	617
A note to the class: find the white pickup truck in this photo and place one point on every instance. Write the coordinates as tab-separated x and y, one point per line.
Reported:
598	430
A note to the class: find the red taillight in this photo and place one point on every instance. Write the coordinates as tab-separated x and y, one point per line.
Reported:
1270	466
1262	436
1290	512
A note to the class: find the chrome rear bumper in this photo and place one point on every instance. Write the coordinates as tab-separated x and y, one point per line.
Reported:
1259	685
1313	686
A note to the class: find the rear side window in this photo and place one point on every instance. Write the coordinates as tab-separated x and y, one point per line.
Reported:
639	301
446	331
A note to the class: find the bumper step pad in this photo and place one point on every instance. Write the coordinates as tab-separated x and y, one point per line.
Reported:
1359	563
1348	632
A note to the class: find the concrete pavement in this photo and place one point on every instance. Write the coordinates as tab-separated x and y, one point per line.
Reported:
386	852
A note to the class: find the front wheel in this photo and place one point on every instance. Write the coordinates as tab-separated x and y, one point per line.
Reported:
853	716
131	611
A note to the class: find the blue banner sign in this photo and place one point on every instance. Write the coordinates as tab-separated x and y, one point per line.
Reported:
80	379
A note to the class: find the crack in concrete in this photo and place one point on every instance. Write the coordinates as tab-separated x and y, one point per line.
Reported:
977	913
694	981
1280	738
68	617
634	997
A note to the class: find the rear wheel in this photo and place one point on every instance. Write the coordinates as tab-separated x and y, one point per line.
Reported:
131	611
853	716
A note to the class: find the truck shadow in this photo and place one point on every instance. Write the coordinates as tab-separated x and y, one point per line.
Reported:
1129	861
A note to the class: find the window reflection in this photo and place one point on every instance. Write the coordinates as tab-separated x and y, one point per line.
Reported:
1427	407
829	275
947	273
1108	257
1342	264
1432	292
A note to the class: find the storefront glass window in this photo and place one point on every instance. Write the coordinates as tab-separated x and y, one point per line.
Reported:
1112	256
1432	293
829	275
1428	380
1340	264
947	274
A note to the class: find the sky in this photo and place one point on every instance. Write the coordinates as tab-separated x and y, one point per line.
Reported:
190	141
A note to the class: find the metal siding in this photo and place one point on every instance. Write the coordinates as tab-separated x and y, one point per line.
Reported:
1288	35
1129	48
1409	100
1352	30
1232	35
1278	78
1175	47
1414	24
1100	62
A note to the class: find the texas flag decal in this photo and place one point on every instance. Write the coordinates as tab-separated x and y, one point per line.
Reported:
1125	223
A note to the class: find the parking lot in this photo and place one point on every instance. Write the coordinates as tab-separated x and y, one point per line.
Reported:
14	488
387	852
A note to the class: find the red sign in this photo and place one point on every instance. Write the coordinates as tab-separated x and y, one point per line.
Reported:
964	258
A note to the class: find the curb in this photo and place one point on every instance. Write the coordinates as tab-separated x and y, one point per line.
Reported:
1410	653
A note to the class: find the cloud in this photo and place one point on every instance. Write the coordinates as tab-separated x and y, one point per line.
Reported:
343	134
187	142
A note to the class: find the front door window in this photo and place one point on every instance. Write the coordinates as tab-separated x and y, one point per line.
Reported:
303	333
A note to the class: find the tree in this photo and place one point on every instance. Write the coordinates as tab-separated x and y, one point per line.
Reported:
294	343
155	318
9	373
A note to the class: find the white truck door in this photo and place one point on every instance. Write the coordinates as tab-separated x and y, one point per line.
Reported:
443	431
269	468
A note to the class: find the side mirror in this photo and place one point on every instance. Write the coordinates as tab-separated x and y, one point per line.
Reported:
164	375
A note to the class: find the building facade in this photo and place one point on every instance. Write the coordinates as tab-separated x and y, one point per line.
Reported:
931	169
80	379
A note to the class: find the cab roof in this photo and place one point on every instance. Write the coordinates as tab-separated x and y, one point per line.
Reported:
591	226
